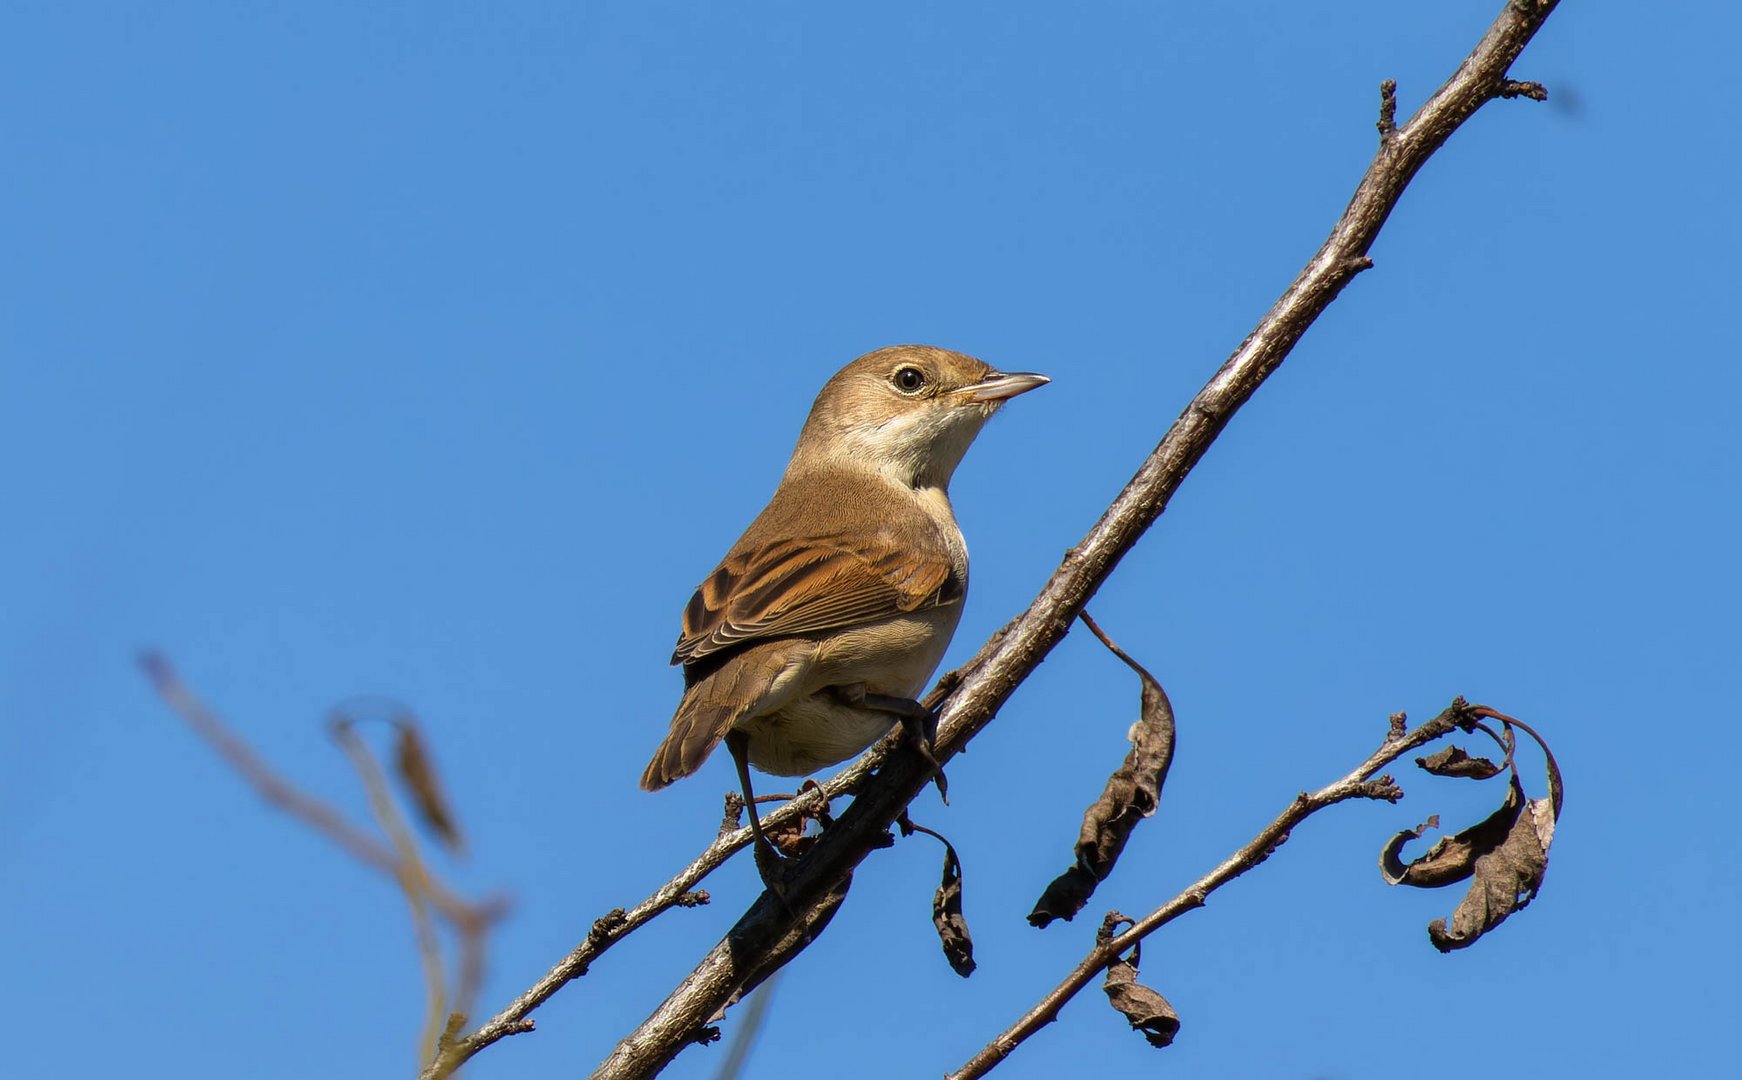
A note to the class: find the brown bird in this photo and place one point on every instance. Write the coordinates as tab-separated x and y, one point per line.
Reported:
825	620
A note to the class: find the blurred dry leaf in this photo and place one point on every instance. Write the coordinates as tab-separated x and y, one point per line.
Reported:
416	769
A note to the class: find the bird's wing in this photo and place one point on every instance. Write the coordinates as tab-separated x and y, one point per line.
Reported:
805	586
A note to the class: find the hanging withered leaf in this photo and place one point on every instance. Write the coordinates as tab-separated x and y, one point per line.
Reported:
1132	793
416	769
946	915
1146	1009
1507	877
1064	896
1453	761
946	903
1506	854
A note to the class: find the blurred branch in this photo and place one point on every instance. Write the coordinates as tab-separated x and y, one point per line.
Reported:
273	788
409	871
744	1039
399	859
1358	784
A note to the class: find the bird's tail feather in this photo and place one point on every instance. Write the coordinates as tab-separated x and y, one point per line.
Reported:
695	731
748	683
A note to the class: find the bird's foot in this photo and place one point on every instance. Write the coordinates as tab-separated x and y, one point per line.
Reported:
922	733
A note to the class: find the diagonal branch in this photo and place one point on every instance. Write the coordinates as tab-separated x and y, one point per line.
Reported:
993	675
989	679
1358	784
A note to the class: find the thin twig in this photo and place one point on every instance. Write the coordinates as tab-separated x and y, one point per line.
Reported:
1112	646
1358	784
1387	111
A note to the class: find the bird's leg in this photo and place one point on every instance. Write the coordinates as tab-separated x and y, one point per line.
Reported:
769	862
918	724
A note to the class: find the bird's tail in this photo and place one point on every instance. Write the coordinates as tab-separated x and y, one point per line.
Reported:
745	685
695	731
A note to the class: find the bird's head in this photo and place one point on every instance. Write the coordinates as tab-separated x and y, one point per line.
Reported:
908	412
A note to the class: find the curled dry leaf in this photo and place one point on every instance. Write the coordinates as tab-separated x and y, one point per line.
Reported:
1132	793
1147	1010
416	769
1453	858
1507	877
946	915
1506	854
946	903
789	838
1453	761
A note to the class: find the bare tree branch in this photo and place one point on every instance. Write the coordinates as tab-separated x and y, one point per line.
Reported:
993	675
976	691
1358	784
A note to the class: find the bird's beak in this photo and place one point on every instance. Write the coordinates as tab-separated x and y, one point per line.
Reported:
1000	385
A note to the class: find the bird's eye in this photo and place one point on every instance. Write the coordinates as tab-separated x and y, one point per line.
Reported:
909	379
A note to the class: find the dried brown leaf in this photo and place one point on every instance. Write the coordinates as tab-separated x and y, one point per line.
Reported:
1509	875
416	770
1064	896
1452	858
1132	793
946	915
1453	761
789	837
1506	853
1147	1010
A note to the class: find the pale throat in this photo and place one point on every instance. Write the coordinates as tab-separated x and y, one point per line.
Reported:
919	450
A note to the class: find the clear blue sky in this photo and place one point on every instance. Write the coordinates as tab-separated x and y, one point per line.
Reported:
341	347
